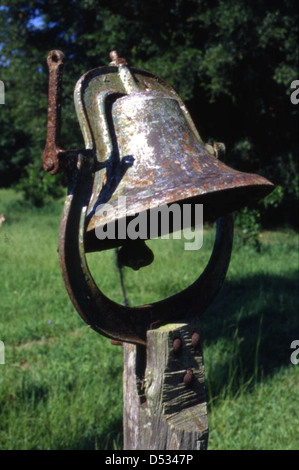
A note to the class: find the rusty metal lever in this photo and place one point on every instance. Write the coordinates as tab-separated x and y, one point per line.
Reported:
53	152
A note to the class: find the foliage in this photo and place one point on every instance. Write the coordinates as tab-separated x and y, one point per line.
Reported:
273	199
231	60
37	186
249	223
249	220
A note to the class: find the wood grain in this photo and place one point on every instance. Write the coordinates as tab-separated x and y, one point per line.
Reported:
160	411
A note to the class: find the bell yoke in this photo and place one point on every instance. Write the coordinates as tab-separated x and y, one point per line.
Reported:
141	144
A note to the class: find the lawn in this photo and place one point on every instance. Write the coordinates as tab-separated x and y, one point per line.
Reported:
61	384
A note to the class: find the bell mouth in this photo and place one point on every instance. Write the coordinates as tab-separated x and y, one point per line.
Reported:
226	201
216	202
227	193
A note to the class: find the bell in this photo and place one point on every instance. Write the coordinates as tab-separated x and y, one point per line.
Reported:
157	158
141	147
147	151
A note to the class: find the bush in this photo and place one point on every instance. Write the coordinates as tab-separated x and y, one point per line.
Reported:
248	220
38	186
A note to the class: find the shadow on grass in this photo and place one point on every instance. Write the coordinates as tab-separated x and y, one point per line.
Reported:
249	329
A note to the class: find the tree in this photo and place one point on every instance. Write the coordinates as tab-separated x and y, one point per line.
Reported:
232	61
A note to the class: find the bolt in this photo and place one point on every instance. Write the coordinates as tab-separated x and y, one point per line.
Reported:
177	345
116	60
188	378
195	339
219	149
48	164
113	55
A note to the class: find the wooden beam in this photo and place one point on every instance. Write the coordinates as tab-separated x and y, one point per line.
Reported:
164	391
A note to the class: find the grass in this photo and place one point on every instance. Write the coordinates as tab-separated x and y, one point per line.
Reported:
61	385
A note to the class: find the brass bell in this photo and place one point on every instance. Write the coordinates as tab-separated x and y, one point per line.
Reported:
153	155
157	159
148	150
141	145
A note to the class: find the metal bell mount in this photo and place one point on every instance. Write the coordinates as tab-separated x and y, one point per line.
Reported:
140	143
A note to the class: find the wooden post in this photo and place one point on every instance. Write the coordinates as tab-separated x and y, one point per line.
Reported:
164	391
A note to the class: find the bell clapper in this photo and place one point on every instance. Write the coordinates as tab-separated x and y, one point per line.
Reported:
135	254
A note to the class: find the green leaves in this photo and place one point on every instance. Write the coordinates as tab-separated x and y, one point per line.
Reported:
232	62
37	186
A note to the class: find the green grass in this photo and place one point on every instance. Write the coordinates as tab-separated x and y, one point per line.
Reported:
61	386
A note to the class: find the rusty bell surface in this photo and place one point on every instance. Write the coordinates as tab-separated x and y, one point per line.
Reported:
144	145
157	159
140	142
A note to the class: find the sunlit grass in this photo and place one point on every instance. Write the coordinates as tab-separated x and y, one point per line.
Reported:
61	386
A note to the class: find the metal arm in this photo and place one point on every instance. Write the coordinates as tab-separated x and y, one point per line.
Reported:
53	152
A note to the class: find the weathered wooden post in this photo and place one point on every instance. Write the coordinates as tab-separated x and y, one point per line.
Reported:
143	153
165	405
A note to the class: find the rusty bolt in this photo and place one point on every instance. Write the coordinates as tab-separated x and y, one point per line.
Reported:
177	345
48	164
116	60
188	378
195	339
219	149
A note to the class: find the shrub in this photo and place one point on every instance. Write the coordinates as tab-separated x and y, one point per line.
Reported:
37	186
